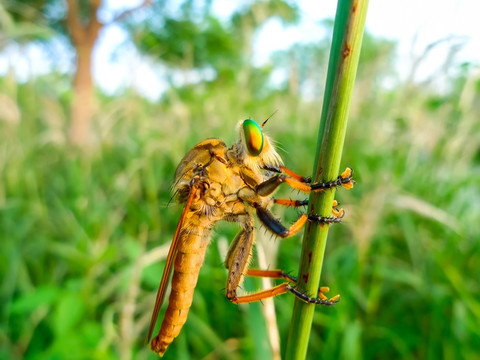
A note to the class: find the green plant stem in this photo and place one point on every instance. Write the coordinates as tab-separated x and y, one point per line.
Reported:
344	55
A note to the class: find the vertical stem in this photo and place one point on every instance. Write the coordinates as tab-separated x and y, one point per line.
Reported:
342	68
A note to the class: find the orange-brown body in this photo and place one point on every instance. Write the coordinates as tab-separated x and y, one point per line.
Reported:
220	183
218	179
189	259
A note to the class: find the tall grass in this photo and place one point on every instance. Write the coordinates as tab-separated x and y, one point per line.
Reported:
83	235
342	69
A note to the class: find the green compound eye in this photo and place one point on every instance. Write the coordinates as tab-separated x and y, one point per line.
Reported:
253	137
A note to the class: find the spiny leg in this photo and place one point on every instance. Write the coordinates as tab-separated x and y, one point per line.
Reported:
302	184
294	175
286	175
238	255
279	290
240	252
272	274
291	203
344	179
275	226
289	172
237	260
339	213
269	186
280	274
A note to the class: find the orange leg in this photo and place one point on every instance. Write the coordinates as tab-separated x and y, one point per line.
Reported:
273	274
299	183
339	213
294	175
282	289
289	202
296	226
302	184
279	274
275	226
237	263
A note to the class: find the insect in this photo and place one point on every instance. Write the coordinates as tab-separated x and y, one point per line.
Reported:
216	182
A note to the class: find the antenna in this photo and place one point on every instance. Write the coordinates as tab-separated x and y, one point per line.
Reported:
263	124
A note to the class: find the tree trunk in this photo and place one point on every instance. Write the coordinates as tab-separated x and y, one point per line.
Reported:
83	36
83	106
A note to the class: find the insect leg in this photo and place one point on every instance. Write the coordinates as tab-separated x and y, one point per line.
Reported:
294	175
344	179
235	244
289	202
282	289
300	183
234	281
291	173
297	203
238	258
280	274
275	226
237	261
269	186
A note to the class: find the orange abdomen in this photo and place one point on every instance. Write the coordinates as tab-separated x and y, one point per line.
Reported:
191	253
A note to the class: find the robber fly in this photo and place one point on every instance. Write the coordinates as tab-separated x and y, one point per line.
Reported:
216	182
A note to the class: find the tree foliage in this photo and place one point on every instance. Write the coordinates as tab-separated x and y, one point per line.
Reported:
191	38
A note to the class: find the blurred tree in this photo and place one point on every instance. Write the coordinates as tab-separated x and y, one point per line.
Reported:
184	36
20	29
190	37
79	24
83	27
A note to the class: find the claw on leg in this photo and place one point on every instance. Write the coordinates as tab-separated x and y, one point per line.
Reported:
321	291
325	289
347	175
321	300
279	274
339	213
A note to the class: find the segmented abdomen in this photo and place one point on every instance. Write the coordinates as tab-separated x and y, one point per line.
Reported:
191	253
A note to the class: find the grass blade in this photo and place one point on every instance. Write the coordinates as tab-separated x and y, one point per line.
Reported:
344	55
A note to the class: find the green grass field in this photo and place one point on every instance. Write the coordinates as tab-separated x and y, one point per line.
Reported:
84	234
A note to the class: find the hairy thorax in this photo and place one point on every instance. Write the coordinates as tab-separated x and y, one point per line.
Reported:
218	178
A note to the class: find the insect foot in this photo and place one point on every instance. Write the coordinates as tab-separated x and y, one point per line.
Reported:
344	179
321	300
339	213
327	219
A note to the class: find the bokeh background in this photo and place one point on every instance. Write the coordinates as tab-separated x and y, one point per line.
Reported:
99	101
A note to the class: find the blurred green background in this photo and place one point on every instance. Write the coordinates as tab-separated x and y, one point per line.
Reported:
85	179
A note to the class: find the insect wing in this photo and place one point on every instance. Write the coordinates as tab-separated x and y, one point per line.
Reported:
169	265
